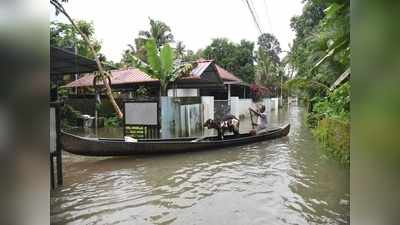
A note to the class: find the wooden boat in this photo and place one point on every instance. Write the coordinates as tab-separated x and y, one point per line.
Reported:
119	147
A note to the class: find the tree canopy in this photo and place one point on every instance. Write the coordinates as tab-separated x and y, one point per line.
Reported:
269	68
321	49
64	35
162	64
268	44
158	31
321	53
236	58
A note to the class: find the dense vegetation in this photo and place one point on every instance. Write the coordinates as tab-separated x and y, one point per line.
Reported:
236	58
320	54
262	66
64	35
162	64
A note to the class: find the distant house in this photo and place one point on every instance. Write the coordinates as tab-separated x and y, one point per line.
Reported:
233	86
206	79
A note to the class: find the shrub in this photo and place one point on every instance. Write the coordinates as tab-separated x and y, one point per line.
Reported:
330	120
334	135
113	122
69	116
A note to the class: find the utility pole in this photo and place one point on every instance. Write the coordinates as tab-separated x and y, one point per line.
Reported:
76	74
281	89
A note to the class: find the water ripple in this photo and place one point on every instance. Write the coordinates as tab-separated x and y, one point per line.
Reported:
282	181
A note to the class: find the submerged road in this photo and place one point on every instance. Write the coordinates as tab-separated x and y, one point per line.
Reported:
283	181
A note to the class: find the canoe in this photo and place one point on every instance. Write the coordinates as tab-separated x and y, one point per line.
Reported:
119	147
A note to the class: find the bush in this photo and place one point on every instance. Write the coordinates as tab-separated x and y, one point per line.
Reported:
334	135
330	120
113	122
69	116
335	105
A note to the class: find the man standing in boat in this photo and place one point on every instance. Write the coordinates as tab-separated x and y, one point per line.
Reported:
261	119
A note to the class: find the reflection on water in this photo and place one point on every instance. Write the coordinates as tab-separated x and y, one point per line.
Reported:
283	181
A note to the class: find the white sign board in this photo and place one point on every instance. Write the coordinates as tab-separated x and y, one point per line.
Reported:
141	113
53	130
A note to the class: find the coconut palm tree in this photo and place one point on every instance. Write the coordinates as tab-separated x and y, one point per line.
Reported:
180	49
162	64
159	31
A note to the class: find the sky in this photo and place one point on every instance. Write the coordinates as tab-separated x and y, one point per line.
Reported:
196	23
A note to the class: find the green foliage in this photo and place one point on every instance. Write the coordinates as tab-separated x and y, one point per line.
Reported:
113	121
142	92
334	135
159	32
319	55
64	35
63	92
154	59
162	64
236	58
321	49
69	116
269	45
180	50
269	68
191	56
336	105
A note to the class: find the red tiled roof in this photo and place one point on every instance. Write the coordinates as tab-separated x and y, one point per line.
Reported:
122	76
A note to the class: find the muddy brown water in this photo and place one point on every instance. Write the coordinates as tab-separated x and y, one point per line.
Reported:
283	181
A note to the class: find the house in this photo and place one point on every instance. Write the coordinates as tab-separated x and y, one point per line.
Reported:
206	79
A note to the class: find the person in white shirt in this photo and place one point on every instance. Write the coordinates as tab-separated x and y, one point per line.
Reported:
261	118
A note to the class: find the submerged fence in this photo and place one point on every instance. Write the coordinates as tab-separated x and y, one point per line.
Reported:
183	116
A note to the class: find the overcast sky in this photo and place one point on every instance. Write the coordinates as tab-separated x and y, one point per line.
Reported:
195	23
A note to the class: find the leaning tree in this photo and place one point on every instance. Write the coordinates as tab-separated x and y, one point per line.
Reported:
103	74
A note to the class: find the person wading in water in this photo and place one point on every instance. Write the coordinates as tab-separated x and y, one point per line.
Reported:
261	119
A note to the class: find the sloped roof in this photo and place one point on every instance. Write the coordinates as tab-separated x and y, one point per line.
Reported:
226	75
202	65
63	62
223	73
121	76
134	75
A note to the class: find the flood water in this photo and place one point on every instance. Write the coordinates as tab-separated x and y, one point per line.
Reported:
283	181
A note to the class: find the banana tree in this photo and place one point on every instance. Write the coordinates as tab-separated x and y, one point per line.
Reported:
162	65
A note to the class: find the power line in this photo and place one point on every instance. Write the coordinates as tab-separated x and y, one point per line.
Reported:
255	12
253	15
268	17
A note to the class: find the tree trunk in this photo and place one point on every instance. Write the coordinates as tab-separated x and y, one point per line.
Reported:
103	73
163	90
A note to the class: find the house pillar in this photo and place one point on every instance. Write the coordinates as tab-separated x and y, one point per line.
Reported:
229	92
